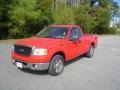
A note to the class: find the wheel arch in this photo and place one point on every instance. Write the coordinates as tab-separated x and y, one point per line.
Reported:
93	44
59	53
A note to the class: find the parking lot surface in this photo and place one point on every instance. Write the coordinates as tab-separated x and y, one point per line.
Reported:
102	72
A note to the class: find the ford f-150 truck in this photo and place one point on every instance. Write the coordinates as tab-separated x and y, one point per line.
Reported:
52	47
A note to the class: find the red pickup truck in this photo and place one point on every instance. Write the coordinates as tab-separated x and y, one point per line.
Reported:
52	47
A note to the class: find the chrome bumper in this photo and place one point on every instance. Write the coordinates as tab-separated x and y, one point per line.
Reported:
32	66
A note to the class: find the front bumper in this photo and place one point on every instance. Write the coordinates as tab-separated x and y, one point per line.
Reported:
32	66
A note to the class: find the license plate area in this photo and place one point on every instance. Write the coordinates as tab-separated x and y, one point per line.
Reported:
19	65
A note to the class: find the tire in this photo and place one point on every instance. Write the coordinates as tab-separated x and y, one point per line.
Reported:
90	53
56	65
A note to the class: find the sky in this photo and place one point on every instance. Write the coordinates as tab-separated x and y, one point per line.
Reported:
117	1
115	19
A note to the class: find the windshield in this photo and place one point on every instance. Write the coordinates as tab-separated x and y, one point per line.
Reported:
53	32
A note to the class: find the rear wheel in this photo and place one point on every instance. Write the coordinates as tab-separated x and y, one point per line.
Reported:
90	53
56	65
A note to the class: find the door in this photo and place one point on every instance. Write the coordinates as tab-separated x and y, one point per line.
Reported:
82	43
73	46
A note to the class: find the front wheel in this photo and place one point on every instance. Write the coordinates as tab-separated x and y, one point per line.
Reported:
90	53
56	65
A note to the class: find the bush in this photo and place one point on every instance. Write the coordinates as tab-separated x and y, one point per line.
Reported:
111	31
103	17
27	17
23	18
84	19
17	33
63	15
118	31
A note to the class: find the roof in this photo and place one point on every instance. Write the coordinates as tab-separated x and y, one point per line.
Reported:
69	26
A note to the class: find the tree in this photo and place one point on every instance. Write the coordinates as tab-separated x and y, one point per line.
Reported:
63	14
28	17
84	19
22	18
4	8
21	12
103	18
85	2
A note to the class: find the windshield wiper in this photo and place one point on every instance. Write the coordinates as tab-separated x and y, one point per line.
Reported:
44	36
56	37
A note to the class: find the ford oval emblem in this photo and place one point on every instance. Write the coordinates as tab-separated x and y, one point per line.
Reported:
21	50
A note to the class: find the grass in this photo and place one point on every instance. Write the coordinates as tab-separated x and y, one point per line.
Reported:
11	41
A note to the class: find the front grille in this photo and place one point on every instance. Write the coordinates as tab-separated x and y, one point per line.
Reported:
22	50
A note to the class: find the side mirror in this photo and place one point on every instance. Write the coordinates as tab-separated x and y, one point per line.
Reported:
74	38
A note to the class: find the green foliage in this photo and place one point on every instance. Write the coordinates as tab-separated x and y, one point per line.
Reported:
28	16
64	17
23	18
24	10
115	8
4	8
112	31
94	19
84	19
18	33
85	2
118	31
103	17
21	12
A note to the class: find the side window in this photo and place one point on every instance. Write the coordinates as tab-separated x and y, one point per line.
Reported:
79	32
75	32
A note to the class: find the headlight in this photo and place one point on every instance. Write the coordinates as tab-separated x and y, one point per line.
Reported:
39	51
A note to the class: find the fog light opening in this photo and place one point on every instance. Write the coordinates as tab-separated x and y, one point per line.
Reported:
13	61
34	66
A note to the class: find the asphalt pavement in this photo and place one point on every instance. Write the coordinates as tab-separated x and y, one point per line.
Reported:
102	72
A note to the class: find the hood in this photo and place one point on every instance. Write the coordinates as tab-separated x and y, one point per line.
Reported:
38	42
